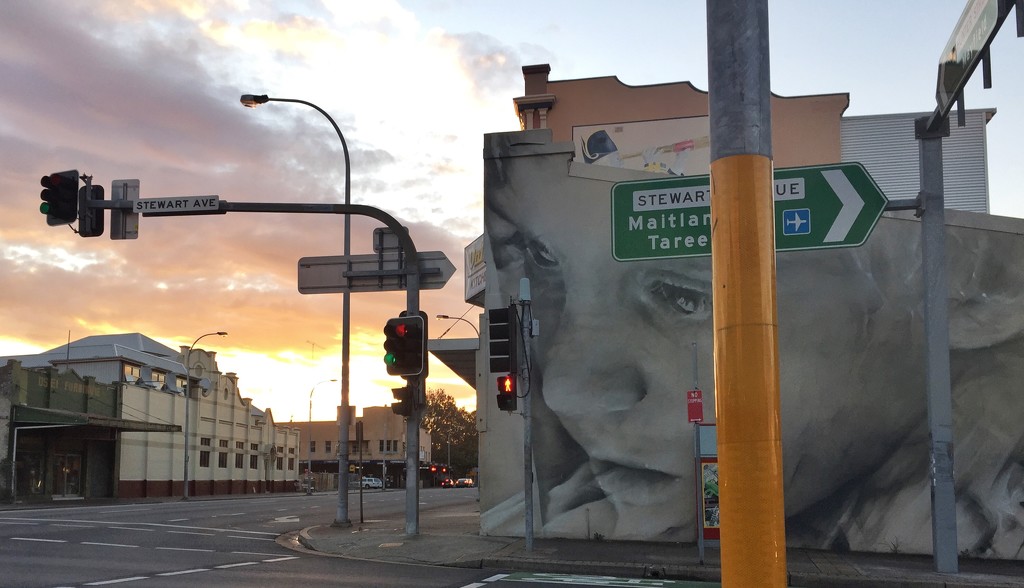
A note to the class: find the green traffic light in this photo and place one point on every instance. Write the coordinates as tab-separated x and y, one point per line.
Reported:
44	208
390	359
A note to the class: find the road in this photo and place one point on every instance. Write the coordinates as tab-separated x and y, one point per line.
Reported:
224	542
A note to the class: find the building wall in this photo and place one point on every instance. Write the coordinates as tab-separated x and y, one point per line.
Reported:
621	342
886	146
380	425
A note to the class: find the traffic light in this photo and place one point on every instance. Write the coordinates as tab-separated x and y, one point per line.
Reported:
507	399
405	401
60	197
90	220
405	346
503	339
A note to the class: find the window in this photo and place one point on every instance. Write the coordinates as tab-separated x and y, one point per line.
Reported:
132	373
179	381
205	441
238	460
382	446
240	445
291	451
254	446
280	463
312	446
204	459
254	462
327	447
159	377
222	460
223	443
291	463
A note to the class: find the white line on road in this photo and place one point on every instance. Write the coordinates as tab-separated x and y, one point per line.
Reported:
133	529
117	581
125	510
176	520
237	565
474	585
277	559
184	572
496	578
257	553
16	523
186	549
39	540
253	538
74	526
191	533
107	544
233	514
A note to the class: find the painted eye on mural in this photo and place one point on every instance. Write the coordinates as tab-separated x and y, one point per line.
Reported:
677	296
541	255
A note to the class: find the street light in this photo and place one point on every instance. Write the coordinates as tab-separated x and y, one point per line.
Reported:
341	517
188	399
309	464
457	318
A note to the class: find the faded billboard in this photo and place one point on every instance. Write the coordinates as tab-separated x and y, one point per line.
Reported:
613	450
677	146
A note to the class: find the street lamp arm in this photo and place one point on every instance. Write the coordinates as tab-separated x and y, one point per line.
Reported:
457	318
188	398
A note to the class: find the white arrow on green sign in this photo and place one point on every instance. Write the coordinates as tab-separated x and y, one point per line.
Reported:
816	207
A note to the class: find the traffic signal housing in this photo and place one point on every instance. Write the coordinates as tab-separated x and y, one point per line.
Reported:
404	405
405	346
503	339
507	399
90	220
60	197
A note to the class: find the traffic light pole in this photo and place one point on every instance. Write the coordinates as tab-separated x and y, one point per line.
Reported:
412	308
524	373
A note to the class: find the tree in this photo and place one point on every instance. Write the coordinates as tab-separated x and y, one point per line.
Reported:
449	424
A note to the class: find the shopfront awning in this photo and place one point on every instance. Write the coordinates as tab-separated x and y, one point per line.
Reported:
459	355
26	416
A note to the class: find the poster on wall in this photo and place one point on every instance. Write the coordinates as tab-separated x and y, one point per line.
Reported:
676	146
709	497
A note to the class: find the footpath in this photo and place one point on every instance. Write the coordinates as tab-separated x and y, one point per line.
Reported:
450	536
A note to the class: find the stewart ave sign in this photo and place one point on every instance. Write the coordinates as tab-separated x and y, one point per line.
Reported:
816	207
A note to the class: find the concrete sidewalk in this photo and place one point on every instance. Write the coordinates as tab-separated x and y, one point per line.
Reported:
449	536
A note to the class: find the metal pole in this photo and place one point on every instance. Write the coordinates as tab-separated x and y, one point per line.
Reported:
936	328
524	375
188	399
412	469
341	517
753	542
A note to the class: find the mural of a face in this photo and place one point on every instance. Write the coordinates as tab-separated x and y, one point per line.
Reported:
613	447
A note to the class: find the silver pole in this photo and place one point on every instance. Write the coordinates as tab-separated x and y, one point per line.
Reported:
524	376
936	328
188	400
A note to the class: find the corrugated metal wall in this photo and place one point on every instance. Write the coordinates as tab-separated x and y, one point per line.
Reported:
886	146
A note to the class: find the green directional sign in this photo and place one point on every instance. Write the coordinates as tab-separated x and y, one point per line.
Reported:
816	207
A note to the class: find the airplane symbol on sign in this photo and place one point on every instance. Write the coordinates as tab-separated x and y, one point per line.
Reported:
796	221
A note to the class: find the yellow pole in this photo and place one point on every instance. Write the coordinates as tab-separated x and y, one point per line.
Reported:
753	537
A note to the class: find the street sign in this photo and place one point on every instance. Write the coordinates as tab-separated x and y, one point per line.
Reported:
176	205
965	49
124	224
373	272
816	207
695	405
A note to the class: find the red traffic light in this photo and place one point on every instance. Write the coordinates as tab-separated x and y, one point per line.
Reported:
507	399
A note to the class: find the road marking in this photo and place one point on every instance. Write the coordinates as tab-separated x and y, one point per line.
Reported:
117	581
74	526
16	523
191	533
182	572
39	540
258	553
495	578
237	565
475	585
131	529
234	514
186	549
125	510
177	520
106	544
277	559
253	538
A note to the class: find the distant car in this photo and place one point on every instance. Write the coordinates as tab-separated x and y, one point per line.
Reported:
447	483
372	483
464	483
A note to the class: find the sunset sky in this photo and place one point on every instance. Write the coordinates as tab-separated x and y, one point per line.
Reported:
149	89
